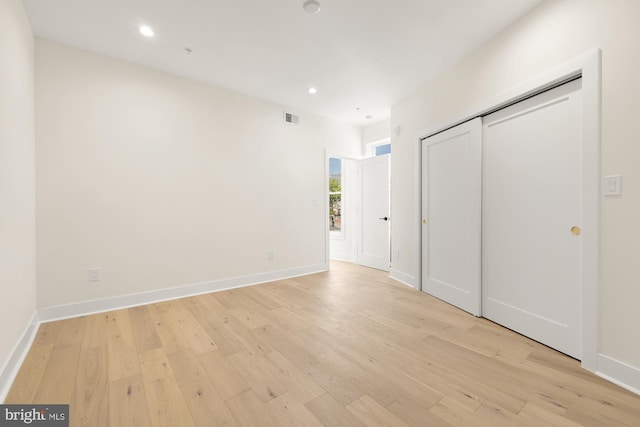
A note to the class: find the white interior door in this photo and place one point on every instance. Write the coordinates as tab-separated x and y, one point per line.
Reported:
374	248
451	215
531	217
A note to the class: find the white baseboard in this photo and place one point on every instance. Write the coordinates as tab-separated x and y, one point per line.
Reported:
12	365
48	314
403	278
342	257
626	376
617	372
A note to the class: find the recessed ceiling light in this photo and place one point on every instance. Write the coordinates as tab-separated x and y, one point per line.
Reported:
147	31
313	90
311	6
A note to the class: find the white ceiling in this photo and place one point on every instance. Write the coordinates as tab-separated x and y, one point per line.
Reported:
368	54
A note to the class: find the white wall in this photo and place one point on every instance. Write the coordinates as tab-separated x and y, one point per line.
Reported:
17	176
551	34
375	132
163	182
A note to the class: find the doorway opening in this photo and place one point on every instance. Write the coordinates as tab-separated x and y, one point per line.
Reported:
358	209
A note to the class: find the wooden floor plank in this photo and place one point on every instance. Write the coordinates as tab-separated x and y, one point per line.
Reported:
143	328
590	411
264	299
260	374
91	392
225	338
295	380
72	331
500	417
223	375
123	362
340	386
167	407
249	318
361	352
272	291
95	331
249	339
27	381
415	414
58	379
375	386
198	338
535	413
123	356
128	404
165	316
332	413
154	365
290	412
205	404
284	318
249	411
48	333
372	414
186	367
120	334
407	363
458	416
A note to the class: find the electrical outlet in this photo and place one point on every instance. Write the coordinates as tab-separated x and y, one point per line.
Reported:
396	253
271	255
94	274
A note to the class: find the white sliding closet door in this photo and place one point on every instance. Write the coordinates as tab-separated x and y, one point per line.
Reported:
531	218
451	212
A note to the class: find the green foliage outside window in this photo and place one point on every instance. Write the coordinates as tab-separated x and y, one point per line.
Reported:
335	202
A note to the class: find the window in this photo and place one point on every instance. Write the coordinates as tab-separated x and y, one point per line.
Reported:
378	148
383	149
335	196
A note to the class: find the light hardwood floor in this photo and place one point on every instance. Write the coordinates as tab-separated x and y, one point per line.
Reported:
346	348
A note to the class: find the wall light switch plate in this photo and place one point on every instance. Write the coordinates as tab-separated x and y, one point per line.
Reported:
612	185
94	274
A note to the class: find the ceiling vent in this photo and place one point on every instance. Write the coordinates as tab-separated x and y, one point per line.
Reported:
291	118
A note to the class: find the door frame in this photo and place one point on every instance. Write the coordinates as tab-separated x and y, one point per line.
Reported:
587	66
356	220
327	155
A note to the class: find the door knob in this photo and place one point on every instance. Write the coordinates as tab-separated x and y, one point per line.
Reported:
575	230
384	218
